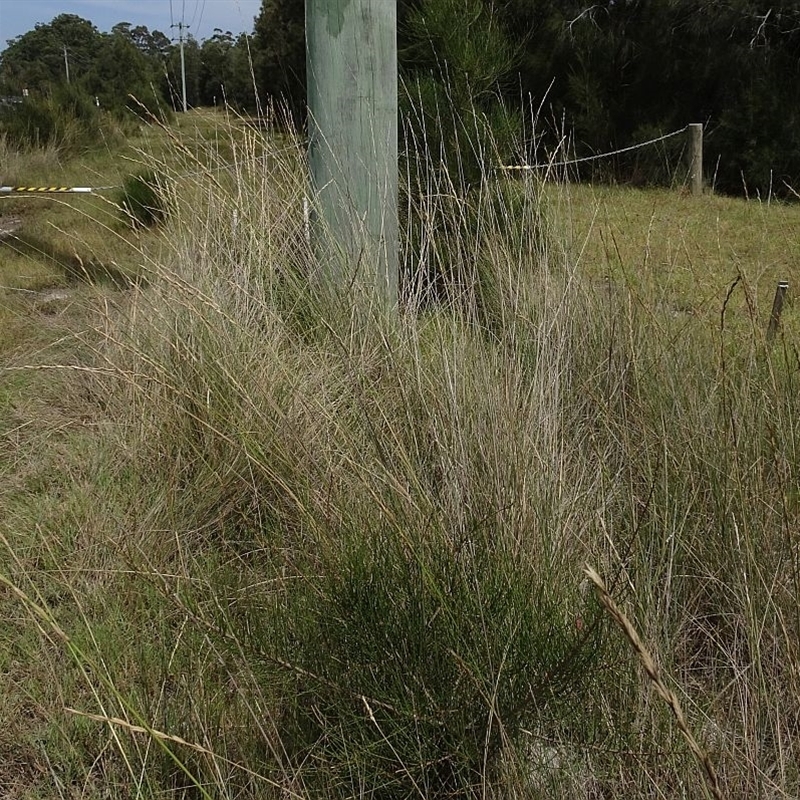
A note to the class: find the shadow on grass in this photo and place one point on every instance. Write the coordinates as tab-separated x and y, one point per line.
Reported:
75	268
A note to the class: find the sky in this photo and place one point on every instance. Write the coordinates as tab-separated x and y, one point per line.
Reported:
19	16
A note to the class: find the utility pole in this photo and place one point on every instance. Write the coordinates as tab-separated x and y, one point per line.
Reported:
351	63
180	26
66	61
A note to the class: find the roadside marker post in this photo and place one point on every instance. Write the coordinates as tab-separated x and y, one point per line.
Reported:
695	158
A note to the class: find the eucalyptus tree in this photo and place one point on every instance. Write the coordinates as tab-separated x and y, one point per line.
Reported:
41	58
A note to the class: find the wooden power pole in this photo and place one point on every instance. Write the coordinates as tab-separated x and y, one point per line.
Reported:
352	98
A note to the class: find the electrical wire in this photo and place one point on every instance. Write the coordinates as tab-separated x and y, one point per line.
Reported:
194	13
200	21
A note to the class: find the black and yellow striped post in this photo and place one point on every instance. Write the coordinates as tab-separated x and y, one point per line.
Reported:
46	189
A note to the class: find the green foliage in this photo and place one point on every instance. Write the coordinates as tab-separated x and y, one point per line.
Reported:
456	63
142	199
153	44
612	71
462	41
36	60
280	55
418	660
225	75
65	117
106	67
130	61
119	72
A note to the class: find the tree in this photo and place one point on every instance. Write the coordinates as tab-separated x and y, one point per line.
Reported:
121	70
154	44
243	90
620	71
280	53
225	71
36	60
456	59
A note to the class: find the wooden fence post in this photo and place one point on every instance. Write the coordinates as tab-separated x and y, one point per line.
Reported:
777	309
695	157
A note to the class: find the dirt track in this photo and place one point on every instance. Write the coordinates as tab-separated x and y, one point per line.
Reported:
9	225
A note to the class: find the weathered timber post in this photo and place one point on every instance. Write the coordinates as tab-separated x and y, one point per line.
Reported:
351	61
777	310
695	157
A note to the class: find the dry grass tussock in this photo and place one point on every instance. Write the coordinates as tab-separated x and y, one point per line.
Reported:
340	550
21	166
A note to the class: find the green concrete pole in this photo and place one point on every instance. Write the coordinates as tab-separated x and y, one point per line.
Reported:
352	99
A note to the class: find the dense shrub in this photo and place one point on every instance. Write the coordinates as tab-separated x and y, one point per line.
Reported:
65	117
142	200
419	661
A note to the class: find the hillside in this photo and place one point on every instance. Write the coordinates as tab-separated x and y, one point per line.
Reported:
256	545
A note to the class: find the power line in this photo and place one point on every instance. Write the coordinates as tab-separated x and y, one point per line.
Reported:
194	14
200	21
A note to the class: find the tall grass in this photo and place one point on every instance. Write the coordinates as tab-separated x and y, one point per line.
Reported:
348	547
16	163
411	608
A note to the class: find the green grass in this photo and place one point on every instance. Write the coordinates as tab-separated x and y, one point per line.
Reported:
256	545
683	252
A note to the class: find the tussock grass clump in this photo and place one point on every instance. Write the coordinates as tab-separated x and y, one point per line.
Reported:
414	665
141	199
341	549
402	580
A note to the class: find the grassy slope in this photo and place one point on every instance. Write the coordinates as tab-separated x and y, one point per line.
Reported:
46	310
680	253
66	263
65	503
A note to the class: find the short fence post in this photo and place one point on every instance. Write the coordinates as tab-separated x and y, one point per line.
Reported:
777	308
695	158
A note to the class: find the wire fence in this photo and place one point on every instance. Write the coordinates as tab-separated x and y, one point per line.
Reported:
13	190
7	191
572	161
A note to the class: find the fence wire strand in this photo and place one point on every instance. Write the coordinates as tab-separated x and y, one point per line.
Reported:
11	191
15	191
570	162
